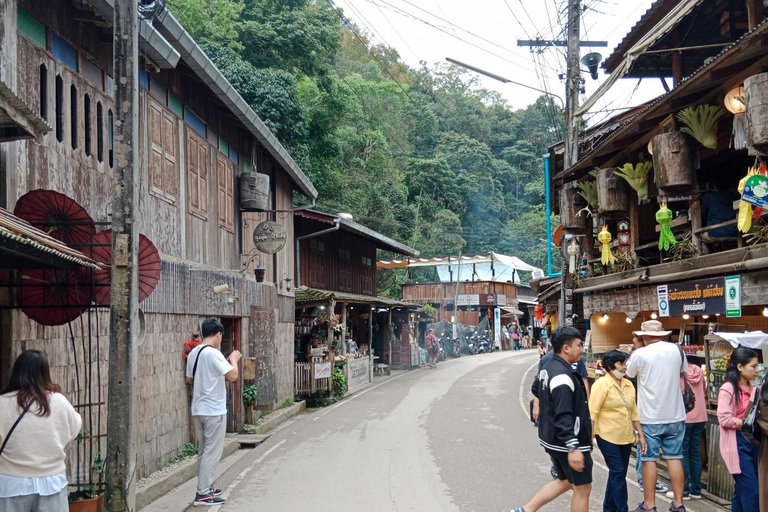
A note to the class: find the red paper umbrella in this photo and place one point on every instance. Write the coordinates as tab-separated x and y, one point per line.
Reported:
58	215
52	297
149	266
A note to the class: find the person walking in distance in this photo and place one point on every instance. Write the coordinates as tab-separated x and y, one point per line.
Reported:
433	347
565	430
657	367
207	369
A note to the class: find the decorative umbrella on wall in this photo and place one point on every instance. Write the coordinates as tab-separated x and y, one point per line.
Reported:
57	214
51	297
101	251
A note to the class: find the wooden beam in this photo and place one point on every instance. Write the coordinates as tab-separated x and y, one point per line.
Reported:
755	13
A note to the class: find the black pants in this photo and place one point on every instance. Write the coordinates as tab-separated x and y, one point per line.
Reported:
617	459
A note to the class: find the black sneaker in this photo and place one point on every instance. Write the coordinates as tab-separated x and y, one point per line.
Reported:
215	492
207	500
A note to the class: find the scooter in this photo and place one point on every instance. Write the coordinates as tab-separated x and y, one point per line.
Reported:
473	343
444	348
455	348
484	344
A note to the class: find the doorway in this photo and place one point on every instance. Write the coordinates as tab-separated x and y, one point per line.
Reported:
231	341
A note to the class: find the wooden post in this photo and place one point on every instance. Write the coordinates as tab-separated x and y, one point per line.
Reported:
755	13
370	344
634	226
123	313
389	338
695	209
344	331
329	336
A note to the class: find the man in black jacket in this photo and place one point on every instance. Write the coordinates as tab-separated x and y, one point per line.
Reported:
565	430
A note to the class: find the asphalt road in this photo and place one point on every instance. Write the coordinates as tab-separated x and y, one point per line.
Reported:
455	438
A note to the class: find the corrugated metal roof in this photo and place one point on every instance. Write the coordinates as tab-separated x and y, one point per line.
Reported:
17	120
305	294
19	230
627	42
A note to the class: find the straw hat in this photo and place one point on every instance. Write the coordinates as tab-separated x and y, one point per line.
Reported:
651	328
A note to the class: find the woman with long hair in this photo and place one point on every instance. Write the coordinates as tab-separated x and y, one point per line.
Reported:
739	455
36	424
762	456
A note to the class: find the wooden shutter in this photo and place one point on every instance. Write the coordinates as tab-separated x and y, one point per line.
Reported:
170	172
221	173
197	175
230	198
202	151
155	149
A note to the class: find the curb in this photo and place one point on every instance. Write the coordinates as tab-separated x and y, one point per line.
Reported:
187	471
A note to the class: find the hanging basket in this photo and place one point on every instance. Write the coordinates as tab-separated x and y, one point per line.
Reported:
612	191
756	92
254	191
570	205
675	162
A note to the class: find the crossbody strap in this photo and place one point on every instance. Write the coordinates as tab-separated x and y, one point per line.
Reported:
13	427
197	360
625	402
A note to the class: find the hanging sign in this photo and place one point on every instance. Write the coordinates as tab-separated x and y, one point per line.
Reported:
705	296
756	191
733	296
497	327
501	300
269	237
472	299
662	292
322	370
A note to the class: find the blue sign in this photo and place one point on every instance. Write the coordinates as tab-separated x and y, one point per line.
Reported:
756	190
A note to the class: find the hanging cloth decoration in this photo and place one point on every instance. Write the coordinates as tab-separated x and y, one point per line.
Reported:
606	256
573	251
666	238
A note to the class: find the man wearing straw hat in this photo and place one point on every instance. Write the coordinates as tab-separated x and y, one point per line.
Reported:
657	367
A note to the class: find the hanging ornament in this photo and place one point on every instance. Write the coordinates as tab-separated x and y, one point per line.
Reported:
752	191
573	251
736	104
583	265
744	219
666	238
538	312
606	256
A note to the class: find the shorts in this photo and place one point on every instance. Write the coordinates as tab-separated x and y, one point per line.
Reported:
566	472
665	436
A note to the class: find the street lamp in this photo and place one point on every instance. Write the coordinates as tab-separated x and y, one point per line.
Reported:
503	80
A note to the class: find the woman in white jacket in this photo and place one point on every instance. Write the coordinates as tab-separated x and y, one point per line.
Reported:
36	424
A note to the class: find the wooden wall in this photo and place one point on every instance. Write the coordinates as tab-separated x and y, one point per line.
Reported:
446	292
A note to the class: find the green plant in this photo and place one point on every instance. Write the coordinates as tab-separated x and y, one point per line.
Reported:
759	235
250	395
339	382
636	176
318	400
189	450
588	190
428	309
701	123
285	403
623	263
684	249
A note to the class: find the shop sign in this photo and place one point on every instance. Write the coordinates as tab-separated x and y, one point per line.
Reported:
756	193
322	370
358	373
497	327
472	299
662	292
501	300
269	237
706	296
733	296
487	299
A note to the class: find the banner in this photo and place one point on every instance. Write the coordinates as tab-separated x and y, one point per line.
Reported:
695	298
733	296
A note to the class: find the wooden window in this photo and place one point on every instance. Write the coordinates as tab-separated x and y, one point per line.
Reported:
197	175
59	108
226	177
163	173
99	132
43	92
87	121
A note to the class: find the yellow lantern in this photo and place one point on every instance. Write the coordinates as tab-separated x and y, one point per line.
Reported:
604	237
734	100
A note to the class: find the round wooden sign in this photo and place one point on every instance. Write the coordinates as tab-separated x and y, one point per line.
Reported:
269	237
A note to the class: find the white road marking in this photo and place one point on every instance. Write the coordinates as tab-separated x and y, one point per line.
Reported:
243	474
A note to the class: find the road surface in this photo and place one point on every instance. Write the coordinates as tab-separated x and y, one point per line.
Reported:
456	438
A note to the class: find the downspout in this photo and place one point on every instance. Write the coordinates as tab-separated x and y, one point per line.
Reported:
336	226
547	193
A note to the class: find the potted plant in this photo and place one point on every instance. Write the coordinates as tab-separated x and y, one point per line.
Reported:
250	395
90	498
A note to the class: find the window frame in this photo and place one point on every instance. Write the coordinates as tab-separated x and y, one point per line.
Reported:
225	177
166	191
191	135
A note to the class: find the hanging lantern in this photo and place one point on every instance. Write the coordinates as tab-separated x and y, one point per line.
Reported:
736	104
666	238
606	256
650	147
573	251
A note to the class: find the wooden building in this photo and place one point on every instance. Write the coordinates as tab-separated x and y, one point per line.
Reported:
197	135
679	255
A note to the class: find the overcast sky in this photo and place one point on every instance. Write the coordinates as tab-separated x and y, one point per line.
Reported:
484	33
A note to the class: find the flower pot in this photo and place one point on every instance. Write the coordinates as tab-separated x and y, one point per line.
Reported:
89	505
570	205
612	191
261	272
675	162
254	191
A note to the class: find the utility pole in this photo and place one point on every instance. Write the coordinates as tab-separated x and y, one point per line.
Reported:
573	84
123	313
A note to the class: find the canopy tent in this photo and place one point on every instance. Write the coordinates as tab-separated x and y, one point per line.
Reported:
667	23
488	267
751	339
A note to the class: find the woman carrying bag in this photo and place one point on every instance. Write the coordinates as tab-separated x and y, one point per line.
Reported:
36	424
739	454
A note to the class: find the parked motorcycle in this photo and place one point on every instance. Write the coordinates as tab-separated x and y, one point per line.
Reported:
455	348
441	355
473	343
450	346
484	344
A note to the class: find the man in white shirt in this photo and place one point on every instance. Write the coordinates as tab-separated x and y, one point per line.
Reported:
207	369
657	367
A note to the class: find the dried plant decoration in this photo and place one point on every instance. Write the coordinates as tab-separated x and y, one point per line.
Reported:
701	123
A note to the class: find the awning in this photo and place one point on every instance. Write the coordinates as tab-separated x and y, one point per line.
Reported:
17	121
24	246
307	296
485	267
751	339
667	23
512	311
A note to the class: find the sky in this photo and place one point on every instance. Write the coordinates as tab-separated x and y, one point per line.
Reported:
484	34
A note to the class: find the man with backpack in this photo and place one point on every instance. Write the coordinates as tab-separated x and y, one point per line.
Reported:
207	370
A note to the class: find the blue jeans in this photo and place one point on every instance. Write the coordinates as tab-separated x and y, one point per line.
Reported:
617	459
692	457
639	466
665	436
745	493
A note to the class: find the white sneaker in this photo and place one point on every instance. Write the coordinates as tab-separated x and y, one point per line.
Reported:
671	495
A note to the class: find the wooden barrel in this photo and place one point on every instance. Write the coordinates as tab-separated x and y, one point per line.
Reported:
570	204
675	161
612	191
254	191
756	89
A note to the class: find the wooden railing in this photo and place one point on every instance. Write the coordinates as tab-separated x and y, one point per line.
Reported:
304	382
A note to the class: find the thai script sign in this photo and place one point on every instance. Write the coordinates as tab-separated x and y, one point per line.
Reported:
358	373
269	237
703	297
322	370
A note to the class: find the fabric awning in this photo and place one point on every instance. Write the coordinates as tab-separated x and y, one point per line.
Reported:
512	311
667	23
485	267
751	339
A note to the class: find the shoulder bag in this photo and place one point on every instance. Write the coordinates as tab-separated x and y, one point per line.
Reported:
689	398
749	428
13	427
197	360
